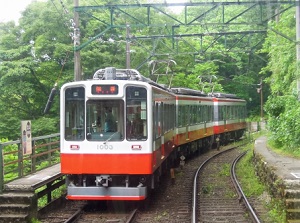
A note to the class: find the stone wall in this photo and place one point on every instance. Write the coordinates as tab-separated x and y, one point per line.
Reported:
285	191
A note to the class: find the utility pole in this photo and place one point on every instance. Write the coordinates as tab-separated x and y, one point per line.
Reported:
260	91
298	46
261	101
77	64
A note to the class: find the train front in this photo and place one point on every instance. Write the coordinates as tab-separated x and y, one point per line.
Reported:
105	142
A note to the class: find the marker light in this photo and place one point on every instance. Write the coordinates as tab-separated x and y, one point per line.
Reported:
74	147
136	147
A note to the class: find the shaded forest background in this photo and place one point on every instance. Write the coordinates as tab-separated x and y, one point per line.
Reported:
38	52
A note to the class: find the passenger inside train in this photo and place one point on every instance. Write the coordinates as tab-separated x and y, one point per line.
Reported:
110	123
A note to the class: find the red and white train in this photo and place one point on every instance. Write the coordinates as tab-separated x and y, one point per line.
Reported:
120	131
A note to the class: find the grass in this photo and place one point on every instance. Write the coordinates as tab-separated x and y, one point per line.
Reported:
225	171
294	153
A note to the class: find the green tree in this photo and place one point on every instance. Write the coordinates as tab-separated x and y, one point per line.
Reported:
282	106
38	53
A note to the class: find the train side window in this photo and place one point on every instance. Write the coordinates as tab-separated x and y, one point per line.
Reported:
136	113
194	114
179	115
198	114
201	114
173	117
227	113
186	115
205	113
75	114
221	113
241	112
234	112
182	115
167	116
210	113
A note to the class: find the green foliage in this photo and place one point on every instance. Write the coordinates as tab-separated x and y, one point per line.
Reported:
283	118
45	126
282	106
284	115
277	211
282	55
38	53
203	77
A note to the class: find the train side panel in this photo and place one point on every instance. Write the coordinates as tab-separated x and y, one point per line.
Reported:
229	117
194	119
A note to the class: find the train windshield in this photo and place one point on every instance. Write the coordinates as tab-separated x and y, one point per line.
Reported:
105	120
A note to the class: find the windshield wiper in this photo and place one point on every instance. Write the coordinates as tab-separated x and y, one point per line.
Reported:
109	138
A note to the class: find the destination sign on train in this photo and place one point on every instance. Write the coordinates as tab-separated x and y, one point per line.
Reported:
105	89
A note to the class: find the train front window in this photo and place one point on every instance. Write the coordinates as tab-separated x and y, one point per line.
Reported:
74	114
136	113
105	120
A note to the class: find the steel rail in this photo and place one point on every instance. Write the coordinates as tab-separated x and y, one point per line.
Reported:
240	190
75	216
132	216
195	183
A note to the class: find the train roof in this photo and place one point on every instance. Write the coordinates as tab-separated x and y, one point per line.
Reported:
188	91
223	95
111	73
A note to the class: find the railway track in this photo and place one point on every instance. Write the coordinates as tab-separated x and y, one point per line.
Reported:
116	215
217	194
91	212
216	198
68	212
